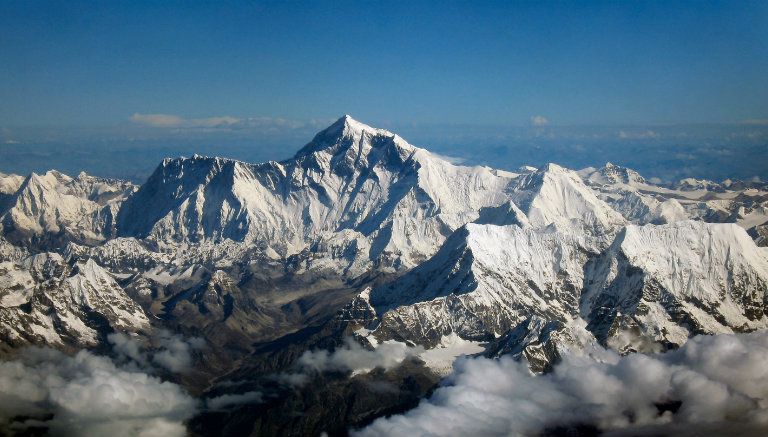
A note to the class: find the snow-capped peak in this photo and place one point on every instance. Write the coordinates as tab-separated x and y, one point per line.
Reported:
556	195
348	133
612	174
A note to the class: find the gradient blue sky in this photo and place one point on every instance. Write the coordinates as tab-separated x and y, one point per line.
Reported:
483	63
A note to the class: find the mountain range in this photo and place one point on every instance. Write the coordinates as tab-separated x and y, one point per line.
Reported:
363	236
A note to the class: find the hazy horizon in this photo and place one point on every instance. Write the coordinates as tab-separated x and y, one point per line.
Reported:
500	84
703	151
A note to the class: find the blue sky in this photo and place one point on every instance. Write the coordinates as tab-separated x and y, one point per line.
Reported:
497	83
500	63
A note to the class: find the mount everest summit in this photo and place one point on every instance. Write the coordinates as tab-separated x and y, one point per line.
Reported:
363	235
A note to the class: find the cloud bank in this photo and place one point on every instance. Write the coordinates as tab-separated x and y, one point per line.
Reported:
169	120
712	384
158	120
220	402
86	394
351	356
225	122
171	352
175	352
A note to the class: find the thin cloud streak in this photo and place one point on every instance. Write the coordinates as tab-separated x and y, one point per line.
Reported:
226	122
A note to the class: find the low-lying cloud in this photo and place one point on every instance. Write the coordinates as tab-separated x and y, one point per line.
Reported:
712	384
228	400
539	120
175	352
351	356
171	352
86	394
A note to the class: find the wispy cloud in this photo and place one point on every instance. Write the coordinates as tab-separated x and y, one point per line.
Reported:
158	120
755	122
638	135
350	356
175	121
221	402
539	120
171	121
215	121
171	351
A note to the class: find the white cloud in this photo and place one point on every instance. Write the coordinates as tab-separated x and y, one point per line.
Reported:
215	121
539	120
127	349
175	121
88	395
220	402
640	135
268	124
755	121
351	356
714	383
158	120
175	352
171	351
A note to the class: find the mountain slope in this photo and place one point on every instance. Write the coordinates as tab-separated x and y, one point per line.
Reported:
656	283
402	199
482	282
49	210
669	282
47	301
555	195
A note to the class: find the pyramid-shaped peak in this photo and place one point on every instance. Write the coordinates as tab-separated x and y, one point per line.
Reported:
612	173
551	167
49	179
347	131
349	126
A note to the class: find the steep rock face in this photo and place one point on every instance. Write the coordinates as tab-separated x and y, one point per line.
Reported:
46	301
655	284
542	343
9	184
612	174
671	281
9	252
760	234
402	199
482	282
120	255
49	210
